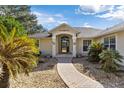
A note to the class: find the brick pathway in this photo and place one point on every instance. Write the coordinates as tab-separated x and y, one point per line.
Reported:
72	77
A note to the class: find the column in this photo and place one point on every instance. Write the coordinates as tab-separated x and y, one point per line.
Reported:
53	46
74	45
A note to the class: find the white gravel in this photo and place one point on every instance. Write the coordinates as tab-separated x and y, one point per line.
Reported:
109	80
44	76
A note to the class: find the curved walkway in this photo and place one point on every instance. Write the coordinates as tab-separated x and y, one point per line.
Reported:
72	77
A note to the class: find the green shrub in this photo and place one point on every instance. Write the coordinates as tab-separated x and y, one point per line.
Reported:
109	59
94	50
10	23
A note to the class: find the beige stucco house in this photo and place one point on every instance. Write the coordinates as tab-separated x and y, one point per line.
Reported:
65	39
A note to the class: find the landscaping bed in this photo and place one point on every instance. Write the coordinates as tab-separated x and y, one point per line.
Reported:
93	70
45	75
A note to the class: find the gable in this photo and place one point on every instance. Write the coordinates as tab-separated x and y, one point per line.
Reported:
64	28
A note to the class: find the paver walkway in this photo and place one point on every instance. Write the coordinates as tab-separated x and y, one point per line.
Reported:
72	77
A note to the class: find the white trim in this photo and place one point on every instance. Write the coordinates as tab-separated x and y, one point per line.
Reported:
59	33
53	45
83	45
74	45
108	36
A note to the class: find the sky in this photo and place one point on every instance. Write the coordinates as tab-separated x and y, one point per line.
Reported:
96	16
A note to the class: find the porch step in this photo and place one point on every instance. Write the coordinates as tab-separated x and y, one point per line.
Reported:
64	55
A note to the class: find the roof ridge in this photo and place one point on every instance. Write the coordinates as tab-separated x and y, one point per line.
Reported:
97	29
114	26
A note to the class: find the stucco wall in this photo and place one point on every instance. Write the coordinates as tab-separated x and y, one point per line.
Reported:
46	45
64	30
79	46
120	42
99	39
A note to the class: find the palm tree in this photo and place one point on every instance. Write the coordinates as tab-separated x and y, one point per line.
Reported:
109	59
94	50
16	54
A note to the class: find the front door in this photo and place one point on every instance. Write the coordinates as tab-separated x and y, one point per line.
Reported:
65	44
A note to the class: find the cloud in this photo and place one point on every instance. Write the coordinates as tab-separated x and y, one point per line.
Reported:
43	18
116	13
59	15
60	22
49	19
93	9
37	13
109	12
87	25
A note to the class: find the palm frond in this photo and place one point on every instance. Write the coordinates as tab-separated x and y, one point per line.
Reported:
17	53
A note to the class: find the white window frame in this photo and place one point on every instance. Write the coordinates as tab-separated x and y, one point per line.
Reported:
83	45
108	36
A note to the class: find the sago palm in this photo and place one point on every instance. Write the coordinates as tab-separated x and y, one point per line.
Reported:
16	54
94	50
109	59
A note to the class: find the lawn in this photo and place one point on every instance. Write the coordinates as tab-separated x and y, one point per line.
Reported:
109	80
44	76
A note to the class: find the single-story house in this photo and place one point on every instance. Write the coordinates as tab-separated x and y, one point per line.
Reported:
65	39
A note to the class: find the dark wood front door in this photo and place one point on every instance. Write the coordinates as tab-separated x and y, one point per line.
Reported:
65	44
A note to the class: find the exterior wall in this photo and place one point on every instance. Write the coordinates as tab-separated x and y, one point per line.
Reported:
67	31
46	46
57	45
85	53
99	39
120	43
79	47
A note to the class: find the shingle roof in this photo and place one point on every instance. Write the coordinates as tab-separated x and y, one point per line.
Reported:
92	32
87	32
116	28
40	35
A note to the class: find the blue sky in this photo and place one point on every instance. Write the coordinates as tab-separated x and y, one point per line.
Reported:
97	16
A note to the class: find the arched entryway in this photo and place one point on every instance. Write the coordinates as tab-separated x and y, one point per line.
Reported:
56	43
64	44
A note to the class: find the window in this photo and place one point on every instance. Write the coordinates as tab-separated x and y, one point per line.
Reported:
86	44
106	42
110	42
64	44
